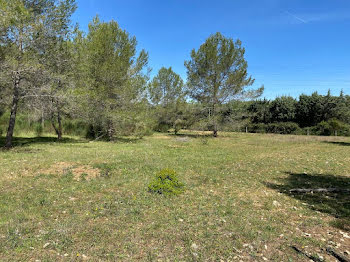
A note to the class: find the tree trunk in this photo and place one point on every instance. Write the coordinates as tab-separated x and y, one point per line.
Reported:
58	129
15	100
215	128
59	120
110	130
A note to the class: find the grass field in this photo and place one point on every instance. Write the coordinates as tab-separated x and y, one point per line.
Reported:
80	200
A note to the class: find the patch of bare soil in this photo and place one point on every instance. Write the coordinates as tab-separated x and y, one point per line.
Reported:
80	172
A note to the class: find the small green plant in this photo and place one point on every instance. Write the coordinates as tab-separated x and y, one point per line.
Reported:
178	125
204	140
166	182
38	130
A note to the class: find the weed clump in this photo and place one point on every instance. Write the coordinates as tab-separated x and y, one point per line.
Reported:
166	182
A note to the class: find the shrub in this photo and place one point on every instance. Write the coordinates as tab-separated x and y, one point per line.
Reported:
257	128
331	127
142	129
204	140
38	128
162	127
275	128
178	125
283	128
166	182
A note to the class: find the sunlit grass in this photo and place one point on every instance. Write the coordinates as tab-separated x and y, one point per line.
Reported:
236	204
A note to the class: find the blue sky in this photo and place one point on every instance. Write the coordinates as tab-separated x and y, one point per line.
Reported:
292	46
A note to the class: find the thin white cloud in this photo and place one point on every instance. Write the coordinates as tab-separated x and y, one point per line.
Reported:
297	17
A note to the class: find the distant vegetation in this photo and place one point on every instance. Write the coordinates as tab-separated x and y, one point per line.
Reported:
56	78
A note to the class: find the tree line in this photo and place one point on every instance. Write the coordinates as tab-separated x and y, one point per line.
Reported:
97	83
309	114
52	71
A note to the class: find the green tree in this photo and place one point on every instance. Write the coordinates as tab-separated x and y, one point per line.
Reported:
309	110
112	77
57	60
166	92
21	28
283	109
217	73
260	111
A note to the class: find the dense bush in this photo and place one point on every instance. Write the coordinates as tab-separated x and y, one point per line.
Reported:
276	128
331	127
74	127
38	128
166	182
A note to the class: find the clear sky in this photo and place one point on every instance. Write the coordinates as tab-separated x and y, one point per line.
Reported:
292	46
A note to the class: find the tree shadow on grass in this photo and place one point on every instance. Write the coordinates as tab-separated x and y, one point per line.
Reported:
337	143
336	204
127	139
190	135
26	141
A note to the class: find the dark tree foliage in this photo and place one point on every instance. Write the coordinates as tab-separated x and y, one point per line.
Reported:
260	111
283	109
319	114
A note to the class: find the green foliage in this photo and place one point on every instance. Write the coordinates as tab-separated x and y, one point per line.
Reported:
283	109
331	127
75	127
166	182
166	92
217	73
178	125
166	88
204	140
38	128
114	78
276	128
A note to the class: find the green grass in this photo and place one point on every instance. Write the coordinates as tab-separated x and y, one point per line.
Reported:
236	205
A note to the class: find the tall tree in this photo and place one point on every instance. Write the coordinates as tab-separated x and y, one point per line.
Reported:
217	73
57	53
114	76
21	24
283	109
166	92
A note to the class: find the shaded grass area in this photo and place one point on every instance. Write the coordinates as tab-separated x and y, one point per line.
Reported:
232	208
27	141
335	204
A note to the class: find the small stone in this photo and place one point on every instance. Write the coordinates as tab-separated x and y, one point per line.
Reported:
276	203
65	255
46	245
181	220
194	246
264	258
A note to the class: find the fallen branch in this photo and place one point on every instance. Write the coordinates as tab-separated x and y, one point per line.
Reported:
313	258
337	255
319	190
